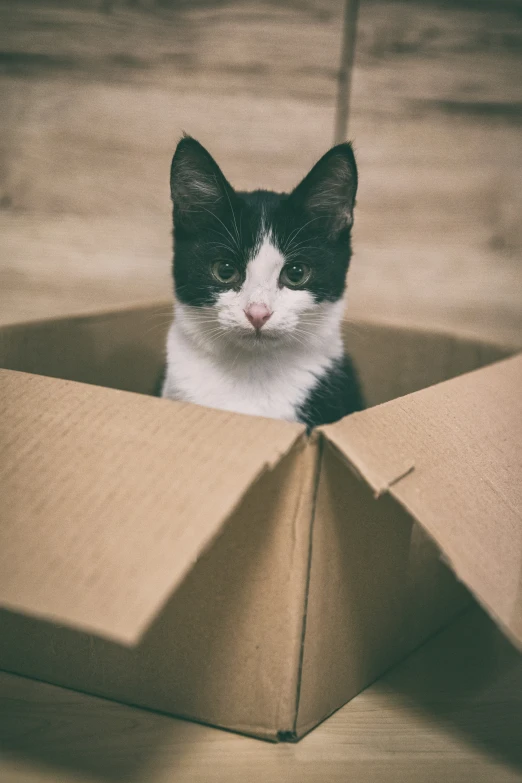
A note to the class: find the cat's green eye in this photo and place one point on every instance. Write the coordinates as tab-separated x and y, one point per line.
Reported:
295	275
225	272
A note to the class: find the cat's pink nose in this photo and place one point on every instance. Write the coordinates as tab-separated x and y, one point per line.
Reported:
258	315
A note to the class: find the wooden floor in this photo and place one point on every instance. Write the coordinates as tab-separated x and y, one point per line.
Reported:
450	713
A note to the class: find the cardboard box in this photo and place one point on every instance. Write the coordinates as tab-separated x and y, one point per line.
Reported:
230	569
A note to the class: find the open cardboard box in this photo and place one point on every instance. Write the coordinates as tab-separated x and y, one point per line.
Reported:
230	569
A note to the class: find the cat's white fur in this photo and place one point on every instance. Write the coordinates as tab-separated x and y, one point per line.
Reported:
215	358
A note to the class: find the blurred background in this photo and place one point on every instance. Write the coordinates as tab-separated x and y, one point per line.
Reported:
94	95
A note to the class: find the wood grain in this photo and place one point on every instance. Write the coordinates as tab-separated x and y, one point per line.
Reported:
451	712
94	103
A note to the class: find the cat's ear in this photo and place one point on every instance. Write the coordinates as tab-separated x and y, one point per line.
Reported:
328	191
198	187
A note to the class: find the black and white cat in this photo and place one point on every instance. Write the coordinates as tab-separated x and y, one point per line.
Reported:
259	282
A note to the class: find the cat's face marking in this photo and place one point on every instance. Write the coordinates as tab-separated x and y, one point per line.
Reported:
238	254
262	287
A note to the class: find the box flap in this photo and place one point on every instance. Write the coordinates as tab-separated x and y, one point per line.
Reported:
122	348
452	456
109	497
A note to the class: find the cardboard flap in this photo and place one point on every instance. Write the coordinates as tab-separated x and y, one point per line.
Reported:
452	456
109	497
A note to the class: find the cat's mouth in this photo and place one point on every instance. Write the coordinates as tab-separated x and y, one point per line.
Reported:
256	338
259	334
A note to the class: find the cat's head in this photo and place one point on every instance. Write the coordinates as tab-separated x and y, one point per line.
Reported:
255	269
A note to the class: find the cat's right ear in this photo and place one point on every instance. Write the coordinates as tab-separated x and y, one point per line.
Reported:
327	193
198	187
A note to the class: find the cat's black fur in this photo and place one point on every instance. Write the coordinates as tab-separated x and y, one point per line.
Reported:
325	237
337	394
205	204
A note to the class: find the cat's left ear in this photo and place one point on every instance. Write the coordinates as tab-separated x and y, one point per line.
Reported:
200	192
328	191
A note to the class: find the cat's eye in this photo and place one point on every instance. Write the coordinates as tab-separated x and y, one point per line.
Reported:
225	272
295	275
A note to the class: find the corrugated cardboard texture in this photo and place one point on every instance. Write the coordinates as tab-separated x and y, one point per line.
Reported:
108	498
393	361
111	501
452	456
377	590
125	349
225	648
122	349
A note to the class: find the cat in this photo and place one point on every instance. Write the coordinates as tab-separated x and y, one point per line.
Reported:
259	283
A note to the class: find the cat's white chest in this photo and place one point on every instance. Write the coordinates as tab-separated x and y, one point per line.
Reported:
259	387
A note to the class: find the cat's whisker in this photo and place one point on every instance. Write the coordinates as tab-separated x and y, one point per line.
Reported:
300	247
212	245
166	318
297	231
224	245
293	244
296	253
156	328
314	324
307	336
214	357
299	341
207	324
226	229
236	357
233	218
198	314
277	356
212	329
165	311
322	317
356	328
165	321
209	340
